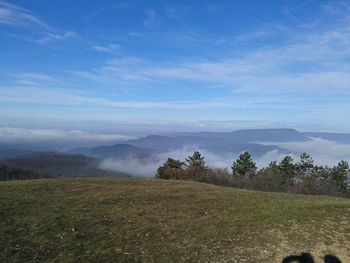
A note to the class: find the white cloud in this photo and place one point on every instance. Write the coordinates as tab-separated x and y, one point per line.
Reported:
131	165
148	167
262	32
35	79
311	60
38	95
262	70
322	151
14	15
50	37
110	48
151	17
64	97
336	8
18	135
17	16
176	12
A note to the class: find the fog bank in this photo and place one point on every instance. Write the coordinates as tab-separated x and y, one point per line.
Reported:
322	151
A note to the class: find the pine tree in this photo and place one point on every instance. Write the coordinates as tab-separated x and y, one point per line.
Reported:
196	161
306	165
340	175
288	170
244	166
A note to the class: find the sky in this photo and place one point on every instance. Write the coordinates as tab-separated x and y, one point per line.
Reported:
139	67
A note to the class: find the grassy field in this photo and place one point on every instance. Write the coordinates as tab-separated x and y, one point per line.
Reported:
109	220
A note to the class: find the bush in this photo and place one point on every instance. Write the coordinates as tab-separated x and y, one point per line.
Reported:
171	169
216	176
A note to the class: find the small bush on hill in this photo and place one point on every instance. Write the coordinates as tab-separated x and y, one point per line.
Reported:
171	169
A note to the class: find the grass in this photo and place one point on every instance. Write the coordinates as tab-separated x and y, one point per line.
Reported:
110	220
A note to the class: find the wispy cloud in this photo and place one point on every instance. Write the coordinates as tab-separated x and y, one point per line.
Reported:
50	37
336	8
110	48
115	6
35	79
272	66
322	56
64	97
177	12
262	32
150	18
13	15
42	90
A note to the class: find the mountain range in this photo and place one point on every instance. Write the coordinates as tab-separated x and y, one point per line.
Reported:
84	161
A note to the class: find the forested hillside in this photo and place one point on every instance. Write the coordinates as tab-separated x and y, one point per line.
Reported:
8	172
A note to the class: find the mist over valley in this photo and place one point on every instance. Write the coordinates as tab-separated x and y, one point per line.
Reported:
142	156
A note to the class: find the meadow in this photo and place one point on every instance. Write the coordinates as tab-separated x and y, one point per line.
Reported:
123	220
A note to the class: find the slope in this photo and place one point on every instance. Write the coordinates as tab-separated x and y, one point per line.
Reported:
108	220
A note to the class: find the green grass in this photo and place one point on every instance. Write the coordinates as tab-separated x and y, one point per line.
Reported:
109	220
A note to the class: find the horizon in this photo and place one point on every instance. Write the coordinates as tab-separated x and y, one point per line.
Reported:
140	156
134	68
13	137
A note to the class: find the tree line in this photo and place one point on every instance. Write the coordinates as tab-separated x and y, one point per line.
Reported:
13	173
303	176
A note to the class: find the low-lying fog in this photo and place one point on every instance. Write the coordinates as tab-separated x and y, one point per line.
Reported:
324	152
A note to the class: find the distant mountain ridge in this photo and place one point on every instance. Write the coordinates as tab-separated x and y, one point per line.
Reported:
6	153
235	141
115	151
255	141
251	135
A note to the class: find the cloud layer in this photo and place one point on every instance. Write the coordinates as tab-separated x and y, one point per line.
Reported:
69	139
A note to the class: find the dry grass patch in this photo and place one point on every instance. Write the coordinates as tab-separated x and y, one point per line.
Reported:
109	220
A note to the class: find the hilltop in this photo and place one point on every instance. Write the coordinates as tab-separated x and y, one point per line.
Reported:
105	219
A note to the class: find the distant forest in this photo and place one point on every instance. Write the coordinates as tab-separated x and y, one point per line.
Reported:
8	172
304	176
52	165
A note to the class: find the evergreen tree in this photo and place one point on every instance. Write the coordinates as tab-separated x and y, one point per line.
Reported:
287	170
321	172
273	166
196	161
244	166
305	166
340	175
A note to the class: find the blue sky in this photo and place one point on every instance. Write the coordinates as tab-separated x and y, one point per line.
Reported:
157	66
